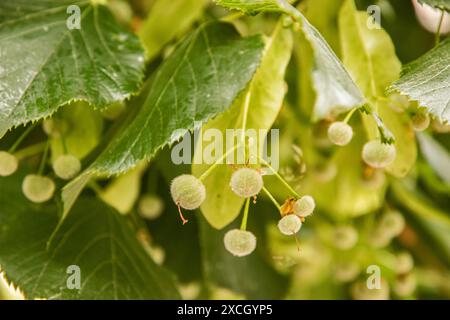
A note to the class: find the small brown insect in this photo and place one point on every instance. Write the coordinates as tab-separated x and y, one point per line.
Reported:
288	206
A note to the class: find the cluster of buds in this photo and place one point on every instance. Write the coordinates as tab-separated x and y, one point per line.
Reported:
188	192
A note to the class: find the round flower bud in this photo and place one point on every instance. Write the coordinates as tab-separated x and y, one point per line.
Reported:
190	291
405	285
404	263
38	188
8	164
246	182
345	237
304	206
157	253
55	127
392	222
239	243
325	172
150	207
66	166
187	191
346	271
289	224
420	121
360	291
340	133
379	238
377	154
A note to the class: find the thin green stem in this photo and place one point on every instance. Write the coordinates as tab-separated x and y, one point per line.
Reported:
219	161
244	119
349	115
284	182
21	138
64	144
245	216
437	35
272	198
44	158
30	150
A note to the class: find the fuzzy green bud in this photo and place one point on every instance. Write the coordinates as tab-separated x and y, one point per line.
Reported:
392	222
187	191
377	154
304	206
340	133
150	207
289	224
246	182
38	188
66	166
8	164
345	237
239	243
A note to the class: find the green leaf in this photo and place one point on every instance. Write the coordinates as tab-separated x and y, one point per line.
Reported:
252	7
436	155
168	21
96	238
370	57
259	107
368	54
334	87
441	4
323	14
200	80
44	64
427	80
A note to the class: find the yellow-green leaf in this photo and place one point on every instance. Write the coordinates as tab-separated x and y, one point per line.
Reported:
369	55
167	21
